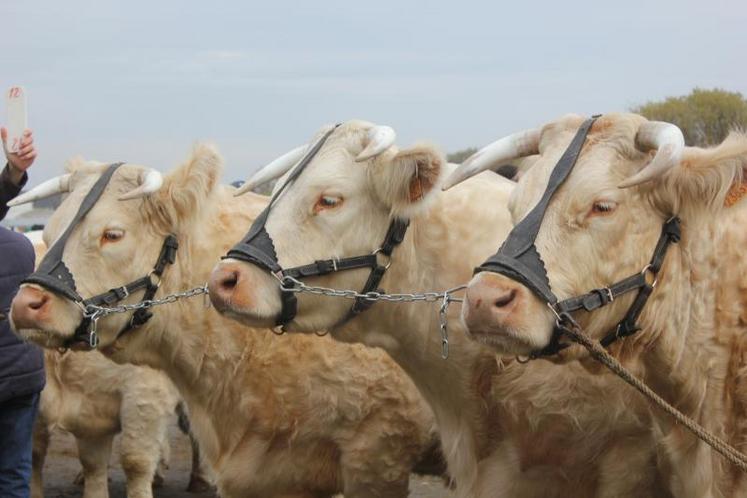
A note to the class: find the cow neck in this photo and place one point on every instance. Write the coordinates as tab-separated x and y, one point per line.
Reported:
413	342
680	331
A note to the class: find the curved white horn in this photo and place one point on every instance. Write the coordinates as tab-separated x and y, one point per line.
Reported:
150	181
56	185
380	138
521	144
667	140
277	168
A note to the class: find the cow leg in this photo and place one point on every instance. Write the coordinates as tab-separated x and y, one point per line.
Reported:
94	456
143	442
39	453
198	480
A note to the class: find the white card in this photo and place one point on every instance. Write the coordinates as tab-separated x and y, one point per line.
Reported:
17	119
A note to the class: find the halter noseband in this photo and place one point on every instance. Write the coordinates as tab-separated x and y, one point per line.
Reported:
258	249
54	275
519	260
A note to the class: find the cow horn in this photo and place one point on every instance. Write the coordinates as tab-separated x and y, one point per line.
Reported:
57	185
277	168
149	182
380	138
498	153
667	140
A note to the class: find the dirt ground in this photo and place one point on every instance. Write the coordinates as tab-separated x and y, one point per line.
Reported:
62	466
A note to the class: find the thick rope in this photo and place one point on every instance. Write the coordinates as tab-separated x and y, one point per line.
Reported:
598	352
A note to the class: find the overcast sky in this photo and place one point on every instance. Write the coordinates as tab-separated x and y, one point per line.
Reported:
142	80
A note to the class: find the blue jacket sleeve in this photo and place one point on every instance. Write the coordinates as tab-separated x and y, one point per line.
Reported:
8	189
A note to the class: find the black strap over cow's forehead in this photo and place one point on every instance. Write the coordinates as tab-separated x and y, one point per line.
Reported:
258	249
518	257
52	272
257	246
519	260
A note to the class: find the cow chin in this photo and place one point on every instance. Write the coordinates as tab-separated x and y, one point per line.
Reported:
245	293
505	316
42	317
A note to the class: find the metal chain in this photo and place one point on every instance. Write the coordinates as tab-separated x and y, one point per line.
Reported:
95	312
290	284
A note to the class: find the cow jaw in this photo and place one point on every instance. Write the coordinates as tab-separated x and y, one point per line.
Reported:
506	316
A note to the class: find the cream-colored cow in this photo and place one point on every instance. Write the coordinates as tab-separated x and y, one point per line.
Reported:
95	399
275	416
602	225
507	429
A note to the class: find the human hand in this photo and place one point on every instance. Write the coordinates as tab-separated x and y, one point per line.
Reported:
21	161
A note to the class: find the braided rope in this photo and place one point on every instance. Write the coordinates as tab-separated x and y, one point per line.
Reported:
598	352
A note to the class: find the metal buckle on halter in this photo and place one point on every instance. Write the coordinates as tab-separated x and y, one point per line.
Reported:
125	292
609	293
388	257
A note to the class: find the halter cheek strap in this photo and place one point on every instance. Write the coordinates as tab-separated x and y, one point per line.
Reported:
258	249
519	260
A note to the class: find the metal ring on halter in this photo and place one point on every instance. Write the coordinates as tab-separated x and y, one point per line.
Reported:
157	283
554	312
388	258
647	268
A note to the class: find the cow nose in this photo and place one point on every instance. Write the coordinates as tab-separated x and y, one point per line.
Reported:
222	284
490	301
29	307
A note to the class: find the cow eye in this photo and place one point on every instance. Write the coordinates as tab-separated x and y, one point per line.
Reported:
327	202
112	235
603	207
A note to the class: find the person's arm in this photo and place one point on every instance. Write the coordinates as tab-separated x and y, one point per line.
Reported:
13	176
10	185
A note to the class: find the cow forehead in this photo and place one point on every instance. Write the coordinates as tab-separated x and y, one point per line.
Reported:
124	179
608	156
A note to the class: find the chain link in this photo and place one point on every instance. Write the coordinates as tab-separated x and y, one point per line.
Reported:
290	284
95	312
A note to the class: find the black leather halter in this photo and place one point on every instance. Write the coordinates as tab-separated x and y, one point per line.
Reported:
519	260
54	275
258	249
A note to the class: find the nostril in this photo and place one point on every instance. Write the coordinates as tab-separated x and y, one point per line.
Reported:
39	304
505	299
230	280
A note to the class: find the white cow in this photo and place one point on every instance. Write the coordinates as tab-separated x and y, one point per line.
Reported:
507	429
274	416
602	225
95	399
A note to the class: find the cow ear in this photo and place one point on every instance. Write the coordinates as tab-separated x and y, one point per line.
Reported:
186	188
409	177
713	177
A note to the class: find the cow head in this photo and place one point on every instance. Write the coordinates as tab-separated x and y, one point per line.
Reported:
603	223
340	206
117	241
